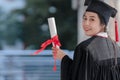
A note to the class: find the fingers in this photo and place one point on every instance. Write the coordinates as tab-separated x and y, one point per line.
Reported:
58	53
54	50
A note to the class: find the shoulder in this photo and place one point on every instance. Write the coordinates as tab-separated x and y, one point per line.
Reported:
85	43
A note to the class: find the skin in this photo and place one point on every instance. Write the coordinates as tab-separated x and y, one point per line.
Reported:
91	26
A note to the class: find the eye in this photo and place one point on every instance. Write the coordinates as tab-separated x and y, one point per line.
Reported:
84	18
91	19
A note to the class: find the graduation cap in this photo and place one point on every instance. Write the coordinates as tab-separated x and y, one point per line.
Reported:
101	8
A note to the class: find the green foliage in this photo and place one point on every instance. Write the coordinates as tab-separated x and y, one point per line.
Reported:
36	13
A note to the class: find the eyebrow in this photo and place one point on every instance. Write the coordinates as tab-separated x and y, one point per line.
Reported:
93	16
89	16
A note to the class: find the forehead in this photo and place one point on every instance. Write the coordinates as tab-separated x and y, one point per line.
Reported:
90	14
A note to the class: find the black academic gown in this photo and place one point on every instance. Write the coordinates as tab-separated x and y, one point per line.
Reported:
94	59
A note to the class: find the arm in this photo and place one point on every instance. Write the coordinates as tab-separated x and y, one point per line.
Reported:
66	68
66	63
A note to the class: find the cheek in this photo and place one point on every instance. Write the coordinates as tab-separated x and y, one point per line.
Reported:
97	29
83	24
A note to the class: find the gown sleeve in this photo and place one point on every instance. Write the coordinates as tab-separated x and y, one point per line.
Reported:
66	68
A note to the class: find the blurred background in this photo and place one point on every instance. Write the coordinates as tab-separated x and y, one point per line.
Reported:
24	27
23	23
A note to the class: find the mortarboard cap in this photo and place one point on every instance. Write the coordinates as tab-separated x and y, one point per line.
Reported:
101	8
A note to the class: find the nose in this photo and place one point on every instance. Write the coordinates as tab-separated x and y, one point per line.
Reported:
86	22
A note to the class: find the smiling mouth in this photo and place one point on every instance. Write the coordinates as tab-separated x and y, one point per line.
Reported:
87	29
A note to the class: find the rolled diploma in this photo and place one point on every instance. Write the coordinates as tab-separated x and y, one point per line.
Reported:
52	27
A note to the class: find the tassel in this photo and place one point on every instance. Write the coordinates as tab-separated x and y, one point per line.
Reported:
55	66
116	31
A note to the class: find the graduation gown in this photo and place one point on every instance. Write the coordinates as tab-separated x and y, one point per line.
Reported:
94	59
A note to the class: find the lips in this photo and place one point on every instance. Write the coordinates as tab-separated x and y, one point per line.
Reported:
87	29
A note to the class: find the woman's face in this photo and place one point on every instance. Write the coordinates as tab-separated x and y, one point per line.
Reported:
91	24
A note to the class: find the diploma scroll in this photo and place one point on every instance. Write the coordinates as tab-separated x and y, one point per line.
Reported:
54	40
52	28
53	32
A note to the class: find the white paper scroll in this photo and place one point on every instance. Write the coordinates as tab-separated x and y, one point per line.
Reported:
52	27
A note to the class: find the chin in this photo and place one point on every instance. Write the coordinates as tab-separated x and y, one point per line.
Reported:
87	34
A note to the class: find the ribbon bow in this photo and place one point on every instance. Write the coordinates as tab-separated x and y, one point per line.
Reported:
55	42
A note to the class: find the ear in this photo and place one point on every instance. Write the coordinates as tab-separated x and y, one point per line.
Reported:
104	28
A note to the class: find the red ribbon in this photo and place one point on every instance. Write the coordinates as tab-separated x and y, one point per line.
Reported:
55	42
116	32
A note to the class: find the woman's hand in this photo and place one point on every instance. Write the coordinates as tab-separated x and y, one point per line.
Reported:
59	53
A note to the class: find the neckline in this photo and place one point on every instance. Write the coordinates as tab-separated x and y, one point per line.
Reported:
102	34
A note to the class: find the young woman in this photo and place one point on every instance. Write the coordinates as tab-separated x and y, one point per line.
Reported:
98	57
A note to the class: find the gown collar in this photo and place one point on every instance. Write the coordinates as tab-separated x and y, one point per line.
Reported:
102	34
